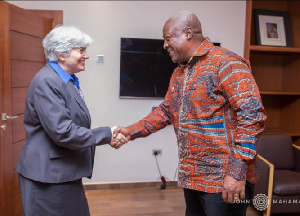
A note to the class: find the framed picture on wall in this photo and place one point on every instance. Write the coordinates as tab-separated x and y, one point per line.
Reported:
272	28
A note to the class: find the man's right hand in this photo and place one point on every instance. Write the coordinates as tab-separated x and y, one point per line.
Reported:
122	130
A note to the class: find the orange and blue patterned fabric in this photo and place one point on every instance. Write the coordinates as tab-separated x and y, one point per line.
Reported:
215	107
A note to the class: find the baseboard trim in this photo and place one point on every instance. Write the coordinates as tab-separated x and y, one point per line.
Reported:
132	185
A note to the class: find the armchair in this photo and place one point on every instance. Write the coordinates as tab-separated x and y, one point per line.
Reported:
279	171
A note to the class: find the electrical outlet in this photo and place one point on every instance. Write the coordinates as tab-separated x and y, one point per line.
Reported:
157	152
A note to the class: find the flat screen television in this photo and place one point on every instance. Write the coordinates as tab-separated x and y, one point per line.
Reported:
145	68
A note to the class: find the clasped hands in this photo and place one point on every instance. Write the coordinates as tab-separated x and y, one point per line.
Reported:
120	136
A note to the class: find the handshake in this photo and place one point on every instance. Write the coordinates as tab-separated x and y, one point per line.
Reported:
120	136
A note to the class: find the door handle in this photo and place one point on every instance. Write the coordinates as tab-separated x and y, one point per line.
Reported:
7	117
3	127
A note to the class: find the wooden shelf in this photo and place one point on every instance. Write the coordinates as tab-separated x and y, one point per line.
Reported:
278	93
273	49
276	69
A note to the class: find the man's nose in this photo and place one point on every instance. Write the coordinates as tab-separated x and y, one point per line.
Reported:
166	45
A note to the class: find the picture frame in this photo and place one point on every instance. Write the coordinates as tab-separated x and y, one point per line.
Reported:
272	28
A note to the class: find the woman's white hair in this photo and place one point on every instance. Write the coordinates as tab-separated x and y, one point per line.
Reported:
62	39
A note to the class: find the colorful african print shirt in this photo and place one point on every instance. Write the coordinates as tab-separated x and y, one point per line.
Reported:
215	107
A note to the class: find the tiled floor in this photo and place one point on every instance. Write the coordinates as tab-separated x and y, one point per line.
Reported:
141	202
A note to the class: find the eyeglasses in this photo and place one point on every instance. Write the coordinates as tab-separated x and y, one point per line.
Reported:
81	50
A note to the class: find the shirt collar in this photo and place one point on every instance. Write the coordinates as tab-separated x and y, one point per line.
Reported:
63	74
204	47
202	50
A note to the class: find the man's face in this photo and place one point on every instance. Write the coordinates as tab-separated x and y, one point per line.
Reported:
175	42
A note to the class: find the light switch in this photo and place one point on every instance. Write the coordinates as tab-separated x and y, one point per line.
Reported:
100	58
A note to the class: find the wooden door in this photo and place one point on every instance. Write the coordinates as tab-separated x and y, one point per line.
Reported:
21	56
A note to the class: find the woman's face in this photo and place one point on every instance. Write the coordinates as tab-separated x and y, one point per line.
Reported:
75	62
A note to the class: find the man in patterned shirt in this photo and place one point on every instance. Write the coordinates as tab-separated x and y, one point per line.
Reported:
215	107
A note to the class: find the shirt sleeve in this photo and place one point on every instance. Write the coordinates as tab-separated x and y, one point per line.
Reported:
156	120
240	89
55	118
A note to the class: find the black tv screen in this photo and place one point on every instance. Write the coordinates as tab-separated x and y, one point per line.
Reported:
145	68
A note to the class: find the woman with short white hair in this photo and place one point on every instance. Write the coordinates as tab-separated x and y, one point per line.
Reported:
60	146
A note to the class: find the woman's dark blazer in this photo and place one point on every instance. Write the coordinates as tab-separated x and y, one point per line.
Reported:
59	145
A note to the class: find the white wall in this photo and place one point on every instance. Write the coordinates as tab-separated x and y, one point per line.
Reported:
106	22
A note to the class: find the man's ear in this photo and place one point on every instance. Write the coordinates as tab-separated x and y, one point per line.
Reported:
189	33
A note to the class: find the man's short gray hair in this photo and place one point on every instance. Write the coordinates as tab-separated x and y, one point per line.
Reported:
62	39
188	19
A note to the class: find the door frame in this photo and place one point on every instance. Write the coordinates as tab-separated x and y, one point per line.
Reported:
6	205
5	103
